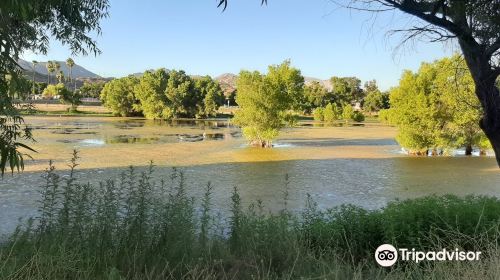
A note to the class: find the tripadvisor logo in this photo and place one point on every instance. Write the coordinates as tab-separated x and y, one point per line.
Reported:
386	255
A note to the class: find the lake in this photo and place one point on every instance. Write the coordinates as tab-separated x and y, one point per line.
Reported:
360	165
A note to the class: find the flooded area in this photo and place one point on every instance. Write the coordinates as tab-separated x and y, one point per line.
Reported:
362	165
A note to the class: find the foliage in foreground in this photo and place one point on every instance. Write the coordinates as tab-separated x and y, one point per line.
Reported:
138	228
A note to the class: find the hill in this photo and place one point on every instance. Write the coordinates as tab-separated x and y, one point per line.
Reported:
41	68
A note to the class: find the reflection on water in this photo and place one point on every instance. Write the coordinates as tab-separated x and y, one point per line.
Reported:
370	183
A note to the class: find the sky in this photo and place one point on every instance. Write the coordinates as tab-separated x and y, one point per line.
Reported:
320	38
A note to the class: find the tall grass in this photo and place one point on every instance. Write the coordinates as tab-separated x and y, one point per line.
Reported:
135	227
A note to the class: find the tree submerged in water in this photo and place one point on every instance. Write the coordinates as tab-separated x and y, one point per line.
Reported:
266	102
435	109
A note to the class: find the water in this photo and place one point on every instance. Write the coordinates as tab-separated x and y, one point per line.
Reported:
335	165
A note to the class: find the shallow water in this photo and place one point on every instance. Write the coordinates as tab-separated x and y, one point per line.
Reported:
357	165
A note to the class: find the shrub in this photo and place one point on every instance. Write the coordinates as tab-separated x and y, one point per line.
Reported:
331	113
318	114
347	112
358	116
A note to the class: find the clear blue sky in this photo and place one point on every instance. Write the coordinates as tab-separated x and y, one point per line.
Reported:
320	39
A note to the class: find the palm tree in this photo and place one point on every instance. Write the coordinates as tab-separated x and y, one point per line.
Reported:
70	63
57	66
33	63
50	70
60	76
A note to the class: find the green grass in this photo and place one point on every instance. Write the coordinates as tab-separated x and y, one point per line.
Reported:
134	227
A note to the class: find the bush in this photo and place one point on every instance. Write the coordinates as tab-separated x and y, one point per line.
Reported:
358	116
331	113
318	114
347	112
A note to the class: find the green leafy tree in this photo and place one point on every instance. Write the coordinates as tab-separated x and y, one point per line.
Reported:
374	100
315	95
26	26
358	116
347	112
183	100
92	89
415	112
341	91
18	88
51	91
69	97
461	109
213	96
118	95
331	112
356	94
266	102
319	114
150	92
436	109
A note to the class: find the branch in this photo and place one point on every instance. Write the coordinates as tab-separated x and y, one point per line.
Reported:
493	48
428	13
223	4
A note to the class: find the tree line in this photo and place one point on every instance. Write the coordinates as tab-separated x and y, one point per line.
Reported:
163	94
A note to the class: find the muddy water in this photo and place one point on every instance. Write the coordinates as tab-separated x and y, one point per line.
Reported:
361	165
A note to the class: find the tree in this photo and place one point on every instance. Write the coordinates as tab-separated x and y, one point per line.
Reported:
461	107
118	95
34	63
436	108
347	112
182	98
341	91
67	96
315	95
331	113
374	100
50	69
356	94
151	94
266	102
27	26
52	91
213	97
70	63
60	77
474	24
92	89
319	114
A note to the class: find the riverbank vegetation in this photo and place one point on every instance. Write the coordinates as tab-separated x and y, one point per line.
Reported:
435	109
136	227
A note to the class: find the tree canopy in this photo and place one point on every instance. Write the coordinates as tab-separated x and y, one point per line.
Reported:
436	109
266	101
119	96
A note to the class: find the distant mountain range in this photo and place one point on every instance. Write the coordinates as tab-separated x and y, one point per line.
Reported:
41	68
226	80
